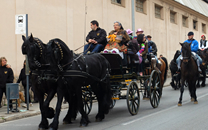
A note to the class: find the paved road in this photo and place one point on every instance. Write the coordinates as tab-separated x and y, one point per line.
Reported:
168	116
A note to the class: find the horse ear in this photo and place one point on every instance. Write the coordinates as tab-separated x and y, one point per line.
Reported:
190	44
53	44
23	38
31	38
181	44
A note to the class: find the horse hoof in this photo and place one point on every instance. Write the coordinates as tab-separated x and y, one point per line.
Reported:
195	102
192	99
98	120
41	129
203	85
83	125
179	104
66	122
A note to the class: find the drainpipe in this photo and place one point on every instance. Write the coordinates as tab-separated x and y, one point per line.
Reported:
133	17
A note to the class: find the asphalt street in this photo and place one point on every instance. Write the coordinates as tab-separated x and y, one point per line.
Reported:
168	116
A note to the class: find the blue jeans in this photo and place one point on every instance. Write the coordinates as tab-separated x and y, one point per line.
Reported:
198	57
94	48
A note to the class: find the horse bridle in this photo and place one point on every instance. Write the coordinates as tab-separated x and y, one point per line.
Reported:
37	63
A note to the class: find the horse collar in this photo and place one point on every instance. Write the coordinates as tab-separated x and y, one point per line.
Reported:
59	46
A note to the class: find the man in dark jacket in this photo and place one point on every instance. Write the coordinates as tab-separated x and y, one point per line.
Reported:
152	46
96	39
6	76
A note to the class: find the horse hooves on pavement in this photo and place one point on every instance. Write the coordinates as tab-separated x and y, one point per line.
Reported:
66	122
195	102
83	125
98	120
42	129
179	104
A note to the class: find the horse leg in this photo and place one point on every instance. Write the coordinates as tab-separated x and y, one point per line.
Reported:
191	91
54	124
49	112
198	85
84	119
72	111
181	95
44	122
204	78
194	93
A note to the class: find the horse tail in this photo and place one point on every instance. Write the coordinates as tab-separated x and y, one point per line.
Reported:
166	68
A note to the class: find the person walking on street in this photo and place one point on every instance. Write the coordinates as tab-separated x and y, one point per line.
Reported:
22	77
6	76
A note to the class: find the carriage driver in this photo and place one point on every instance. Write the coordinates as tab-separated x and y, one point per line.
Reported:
194	49
152	50
96	38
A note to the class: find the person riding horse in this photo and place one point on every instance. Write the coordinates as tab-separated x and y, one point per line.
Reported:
152	50
194	49
203	43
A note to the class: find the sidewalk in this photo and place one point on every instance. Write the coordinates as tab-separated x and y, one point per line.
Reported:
34	110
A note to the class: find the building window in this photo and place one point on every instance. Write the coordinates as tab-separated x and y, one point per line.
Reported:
140	5
203	28
118	2
158	11
172	17
185	21
195	25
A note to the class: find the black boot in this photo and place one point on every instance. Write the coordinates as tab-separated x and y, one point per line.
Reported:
198	64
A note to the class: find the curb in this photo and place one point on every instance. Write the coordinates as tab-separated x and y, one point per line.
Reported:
29	113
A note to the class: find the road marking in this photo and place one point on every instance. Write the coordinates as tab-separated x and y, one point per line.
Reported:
153	114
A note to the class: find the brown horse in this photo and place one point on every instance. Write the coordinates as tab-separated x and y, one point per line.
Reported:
163	69
162	66
189	73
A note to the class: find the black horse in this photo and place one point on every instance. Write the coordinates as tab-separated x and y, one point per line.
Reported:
189	73
203	66
43	79
76	71
175	83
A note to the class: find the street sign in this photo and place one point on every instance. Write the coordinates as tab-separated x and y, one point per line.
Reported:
20	24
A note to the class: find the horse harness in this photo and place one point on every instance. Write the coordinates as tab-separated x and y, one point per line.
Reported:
77	73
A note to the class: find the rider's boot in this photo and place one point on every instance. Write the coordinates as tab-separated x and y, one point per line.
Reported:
198	64
179	67
154	65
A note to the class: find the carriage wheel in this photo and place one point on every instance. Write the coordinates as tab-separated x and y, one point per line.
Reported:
133	98
87	101
155	89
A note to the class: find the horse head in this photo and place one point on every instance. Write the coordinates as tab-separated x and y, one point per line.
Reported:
204	56
177	54
58	54
186	51
33	48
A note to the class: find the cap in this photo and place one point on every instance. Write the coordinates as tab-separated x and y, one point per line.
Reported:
129	31
148	36
190	33
202	36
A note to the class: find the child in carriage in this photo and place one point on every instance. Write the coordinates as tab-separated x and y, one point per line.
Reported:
117	40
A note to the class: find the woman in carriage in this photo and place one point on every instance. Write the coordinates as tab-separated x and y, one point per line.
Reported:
117	40
142	52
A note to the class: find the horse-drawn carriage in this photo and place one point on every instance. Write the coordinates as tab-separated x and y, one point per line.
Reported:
124	84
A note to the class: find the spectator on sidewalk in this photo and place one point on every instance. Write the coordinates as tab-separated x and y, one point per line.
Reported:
22	77
6	76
